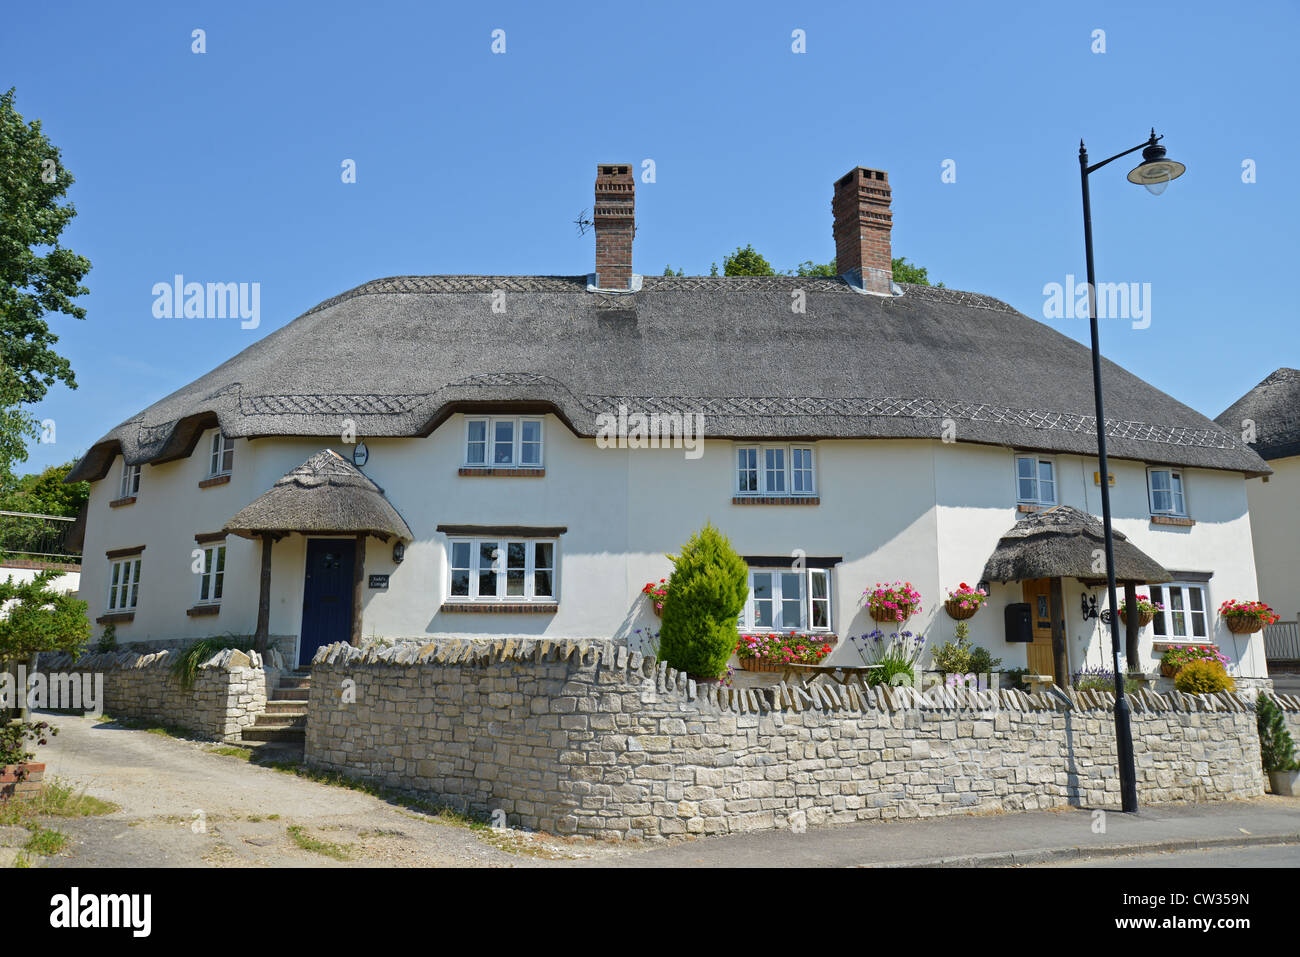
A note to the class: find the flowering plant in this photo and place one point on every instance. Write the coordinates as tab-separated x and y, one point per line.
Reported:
896	602
1145	605
1093	679
657	591
1177	657
1255	610
965	597
874	647
783	648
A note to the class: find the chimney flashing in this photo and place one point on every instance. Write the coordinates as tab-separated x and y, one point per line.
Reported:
634	286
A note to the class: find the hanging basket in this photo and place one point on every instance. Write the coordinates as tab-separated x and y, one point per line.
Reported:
658	606
884	615
1169	669
759	664
1144	617
955	611
1243	624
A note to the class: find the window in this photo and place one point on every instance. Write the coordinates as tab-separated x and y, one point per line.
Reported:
124	584
503	443
130	481
222	460
1035	480
788	599
1166	492
212	578
775	470
502	570
1184	615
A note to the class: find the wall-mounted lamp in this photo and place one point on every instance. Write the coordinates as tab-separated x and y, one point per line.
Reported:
399	552
982	586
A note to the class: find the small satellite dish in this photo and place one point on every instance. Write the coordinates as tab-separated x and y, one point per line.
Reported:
360	455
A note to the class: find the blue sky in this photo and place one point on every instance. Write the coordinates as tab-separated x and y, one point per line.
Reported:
225	166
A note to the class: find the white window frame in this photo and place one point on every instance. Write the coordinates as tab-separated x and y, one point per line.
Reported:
517	442
129	484
747	620
1176	495
123	592
1039	461
213	576
531	567
221	449
761	453
1165	619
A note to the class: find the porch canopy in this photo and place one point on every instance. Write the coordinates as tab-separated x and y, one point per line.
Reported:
1063	542
326	495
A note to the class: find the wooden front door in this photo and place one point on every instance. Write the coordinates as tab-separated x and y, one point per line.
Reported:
326	595
1037	592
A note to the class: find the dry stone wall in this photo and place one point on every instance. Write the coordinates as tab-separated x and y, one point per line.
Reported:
229	689
592	739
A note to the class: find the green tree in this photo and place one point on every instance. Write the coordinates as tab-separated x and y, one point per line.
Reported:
39	619
16	424
45	493
1276	746
668	271
903	271
706	594
37	274
746	262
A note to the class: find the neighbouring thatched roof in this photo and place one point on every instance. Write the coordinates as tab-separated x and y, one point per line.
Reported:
326	494
1062	542
1272	408
397	356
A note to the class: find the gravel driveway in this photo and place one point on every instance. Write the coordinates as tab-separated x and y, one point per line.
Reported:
181	805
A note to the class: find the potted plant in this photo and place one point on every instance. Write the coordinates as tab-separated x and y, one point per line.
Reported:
1246	617
771	651
963	601
894	659
1146	610
657	592
1277	748
16	767
1175	658
896	602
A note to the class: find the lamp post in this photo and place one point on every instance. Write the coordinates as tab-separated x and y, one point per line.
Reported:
1155	172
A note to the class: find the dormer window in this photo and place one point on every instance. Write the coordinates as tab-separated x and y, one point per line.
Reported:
130	483
1035	480
221	461
1165	489
503	443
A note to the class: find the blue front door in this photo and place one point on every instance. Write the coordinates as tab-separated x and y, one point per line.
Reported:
326	595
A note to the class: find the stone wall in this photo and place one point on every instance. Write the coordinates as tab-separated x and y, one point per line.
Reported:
229	691
588	738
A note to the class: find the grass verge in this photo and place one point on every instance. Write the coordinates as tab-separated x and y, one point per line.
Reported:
340	852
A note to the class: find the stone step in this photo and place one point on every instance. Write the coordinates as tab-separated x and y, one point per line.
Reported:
292	694
265	720
286	706
287	735
295	681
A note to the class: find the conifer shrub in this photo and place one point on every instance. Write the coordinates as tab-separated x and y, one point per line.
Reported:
706	595
1203	677
1276	746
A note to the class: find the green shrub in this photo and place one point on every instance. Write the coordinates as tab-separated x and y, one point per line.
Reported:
1203	677
891	666
186	665
1275	743
1013	679
982	661
706	595
108	641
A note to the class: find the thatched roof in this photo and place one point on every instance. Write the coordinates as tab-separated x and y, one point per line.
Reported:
326	494
397	356
1273	407
1061	542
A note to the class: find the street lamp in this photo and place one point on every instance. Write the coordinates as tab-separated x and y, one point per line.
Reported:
1155	172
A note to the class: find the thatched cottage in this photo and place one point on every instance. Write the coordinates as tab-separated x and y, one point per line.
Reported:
516	455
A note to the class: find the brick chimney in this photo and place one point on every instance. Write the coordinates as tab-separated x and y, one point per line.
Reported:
615	221
863	222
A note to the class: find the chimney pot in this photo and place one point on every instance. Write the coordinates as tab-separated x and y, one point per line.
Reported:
862	226
614	218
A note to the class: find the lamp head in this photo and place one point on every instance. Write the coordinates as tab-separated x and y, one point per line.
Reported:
1156	171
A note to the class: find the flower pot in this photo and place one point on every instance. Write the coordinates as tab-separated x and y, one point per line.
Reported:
658	606
759	664
1168	670
1144	617
1243	624
1284	782
954	610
